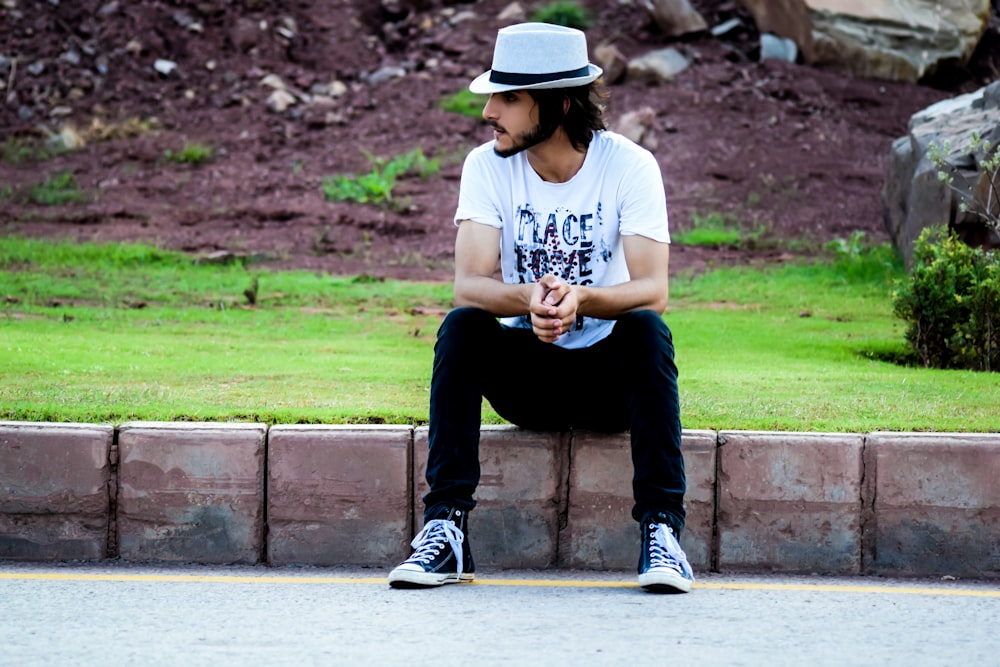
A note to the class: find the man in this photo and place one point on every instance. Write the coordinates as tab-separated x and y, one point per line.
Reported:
577	217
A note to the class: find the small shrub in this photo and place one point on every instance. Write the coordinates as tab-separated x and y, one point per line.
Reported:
951	303
465	103
56	190
192	153
564	13
376	186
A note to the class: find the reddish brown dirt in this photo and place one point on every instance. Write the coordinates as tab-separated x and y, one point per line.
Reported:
795	151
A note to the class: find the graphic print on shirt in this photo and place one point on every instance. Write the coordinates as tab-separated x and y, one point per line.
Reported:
567	244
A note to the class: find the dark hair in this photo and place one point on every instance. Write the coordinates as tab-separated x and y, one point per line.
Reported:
584	116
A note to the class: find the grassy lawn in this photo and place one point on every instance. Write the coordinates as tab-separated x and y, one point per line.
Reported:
117	333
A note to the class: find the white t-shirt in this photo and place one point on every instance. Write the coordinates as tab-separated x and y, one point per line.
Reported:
572	230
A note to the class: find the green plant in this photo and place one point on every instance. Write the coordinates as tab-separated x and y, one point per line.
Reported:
565	13
192	153
982	197
857	260
16	151
951	303
848	249
465	103
56	190
376	186
714	230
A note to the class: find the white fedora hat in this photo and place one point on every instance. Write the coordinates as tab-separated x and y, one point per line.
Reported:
537	55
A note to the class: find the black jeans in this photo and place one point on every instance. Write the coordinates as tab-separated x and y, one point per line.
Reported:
627	381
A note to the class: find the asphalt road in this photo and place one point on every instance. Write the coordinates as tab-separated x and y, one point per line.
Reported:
115	614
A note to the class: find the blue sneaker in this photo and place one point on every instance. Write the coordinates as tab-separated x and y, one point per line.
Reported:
442	555
663	565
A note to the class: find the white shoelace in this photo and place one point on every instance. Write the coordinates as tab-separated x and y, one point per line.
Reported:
431	539
666	551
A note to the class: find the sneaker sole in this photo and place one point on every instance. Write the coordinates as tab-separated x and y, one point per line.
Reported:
661	582
411	579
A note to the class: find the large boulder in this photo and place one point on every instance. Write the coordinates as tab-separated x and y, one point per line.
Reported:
903	40
914	197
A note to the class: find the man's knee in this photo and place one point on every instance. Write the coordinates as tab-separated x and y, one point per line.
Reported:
466	331
645	324
465	321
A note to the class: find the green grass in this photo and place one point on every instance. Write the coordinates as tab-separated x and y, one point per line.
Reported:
192	153
715	230
376	186
465	103
56	190
563	12
116	333
20	150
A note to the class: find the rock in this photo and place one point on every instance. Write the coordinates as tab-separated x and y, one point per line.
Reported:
280	100
323	101
512	12
637	125
726	27
337	88
676	17
914	197
386	73
273	81
67	139
659	65
773	47
609	58
164	67
467	15
183	19
903	40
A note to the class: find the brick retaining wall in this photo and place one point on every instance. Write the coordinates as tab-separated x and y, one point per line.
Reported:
900	504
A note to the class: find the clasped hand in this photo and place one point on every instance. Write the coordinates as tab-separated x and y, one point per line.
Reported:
552	308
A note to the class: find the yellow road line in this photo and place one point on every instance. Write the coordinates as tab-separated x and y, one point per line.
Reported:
538	583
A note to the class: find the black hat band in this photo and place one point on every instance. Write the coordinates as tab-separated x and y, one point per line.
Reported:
513	79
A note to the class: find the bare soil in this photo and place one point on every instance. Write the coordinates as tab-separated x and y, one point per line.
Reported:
794	151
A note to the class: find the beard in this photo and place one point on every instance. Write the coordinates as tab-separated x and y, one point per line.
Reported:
525	140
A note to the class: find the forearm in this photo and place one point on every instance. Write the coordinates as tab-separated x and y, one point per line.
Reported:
609	303
493	296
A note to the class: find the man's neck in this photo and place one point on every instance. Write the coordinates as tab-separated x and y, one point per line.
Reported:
555	160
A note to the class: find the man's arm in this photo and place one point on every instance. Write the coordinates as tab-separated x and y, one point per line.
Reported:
477	249
648	289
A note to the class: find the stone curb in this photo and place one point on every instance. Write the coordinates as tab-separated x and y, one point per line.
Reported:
888	504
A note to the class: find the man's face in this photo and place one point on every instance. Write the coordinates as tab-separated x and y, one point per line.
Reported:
513	115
